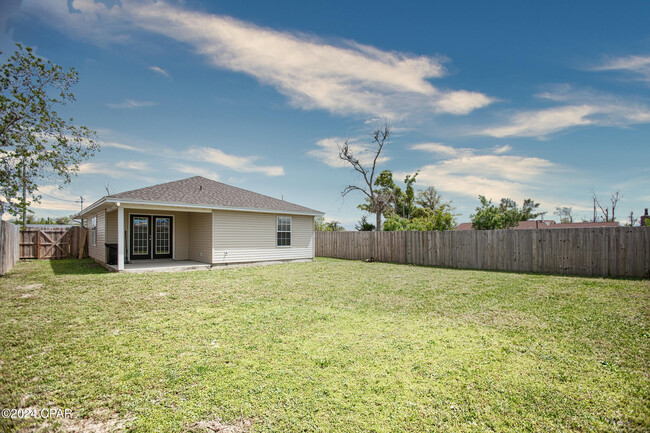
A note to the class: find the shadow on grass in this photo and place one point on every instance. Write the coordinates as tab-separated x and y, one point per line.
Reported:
76	267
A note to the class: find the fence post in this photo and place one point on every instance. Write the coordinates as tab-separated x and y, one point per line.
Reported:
38	244
9	246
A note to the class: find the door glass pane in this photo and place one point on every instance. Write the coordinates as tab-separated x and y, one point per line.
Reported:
162	235
140	236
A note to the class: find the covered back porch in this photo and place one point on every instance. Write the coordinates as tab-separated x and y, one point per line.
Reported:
157	238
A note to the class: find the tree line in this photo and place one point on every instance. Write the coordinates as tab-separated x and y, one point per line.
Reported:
402	208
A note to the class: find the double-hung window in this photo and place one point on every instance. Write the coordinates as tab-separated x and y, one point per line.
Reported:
93	231
284	231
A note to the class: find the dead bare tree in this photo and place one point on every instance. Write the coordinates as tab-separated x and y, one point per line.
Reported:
378	198
614	199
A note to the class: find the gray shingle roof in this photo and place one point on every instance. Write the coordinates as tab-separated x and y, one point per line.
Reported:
198	190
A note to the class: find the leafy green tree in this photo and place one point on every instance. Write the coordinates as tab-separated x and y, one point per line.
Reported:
435	219
528	210
429	198
384	188
364	226
333	226
435	209
405	203
423	220
425	211
32	219
565	214
319	224
488	216
396	223
401	202
63	220
36	143
507	215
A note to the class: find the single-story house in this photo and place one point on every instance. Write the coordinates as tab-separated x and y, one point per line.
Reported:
197	219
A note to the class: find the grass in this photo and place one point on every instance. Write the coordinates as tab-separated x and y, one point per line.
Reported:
330	346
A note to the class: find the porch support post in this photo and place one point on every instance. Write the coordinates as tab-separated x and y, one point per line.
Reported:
120	238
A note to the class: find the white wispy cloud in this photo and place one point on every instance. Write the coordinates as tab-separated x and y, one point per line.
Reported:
159	70
246	164
343	77
637	66
49	204
190	160
539	123
327	151
132	103
580	108
196	171
102	168
117	171
465	171
502	149
55	191
117	145
440	149
55	198
133	165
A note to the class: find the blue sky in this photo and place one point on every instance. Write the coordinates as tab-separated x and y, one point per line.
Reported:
548	100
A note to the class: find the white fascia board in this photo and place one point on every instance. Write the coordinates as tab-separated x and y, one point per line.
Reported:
93	206
204	208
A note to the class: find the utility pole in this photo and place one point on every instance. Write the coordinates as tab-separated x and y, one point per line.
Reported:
24	176
594	208
631	218
81	200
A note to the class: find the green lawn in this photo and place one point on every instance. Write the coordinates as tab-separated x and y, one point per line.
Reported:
332	345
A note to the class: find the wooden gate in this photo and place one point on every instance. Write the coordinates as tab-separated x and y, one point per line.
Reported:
51	243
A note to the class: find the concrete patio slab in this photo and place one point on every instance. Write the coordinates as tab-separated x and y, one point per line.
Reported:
162	265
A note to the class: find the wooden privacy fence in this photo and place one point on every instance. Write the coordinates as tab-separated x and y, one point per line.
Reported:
53	243
9	246
618	251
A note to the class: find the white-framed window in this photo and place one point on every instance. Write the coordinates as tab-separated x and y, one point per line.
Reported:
284	231
93	231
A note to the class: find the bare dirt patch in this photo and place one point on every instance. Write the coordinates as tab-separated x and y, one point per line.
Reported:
101	421
30	287
242	425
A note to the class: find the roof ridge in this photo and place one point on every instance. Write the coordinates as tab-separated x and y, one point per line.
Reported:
243	189
151	186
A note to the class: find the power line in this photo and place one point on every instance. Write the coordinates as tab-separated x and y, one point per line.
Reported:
58	198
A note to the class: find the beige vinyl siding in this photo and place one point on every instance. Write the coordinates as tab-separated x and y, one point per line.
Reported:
200	237
181	235
98	252
111	227
251	237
